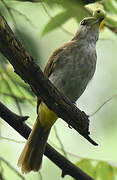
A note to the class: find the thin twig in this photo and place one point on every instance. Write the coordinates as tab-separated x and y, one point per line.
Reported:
1	172
74	155
19	98
53	144
10	90
10	14
40	176
112	28
12	80
100	107
12	168
10	139
67	167
52	18
60	142
9	11
23	15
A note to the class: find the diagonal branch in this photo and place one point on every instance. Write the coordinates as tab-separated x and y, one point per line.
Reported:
17	122
31	73
82	1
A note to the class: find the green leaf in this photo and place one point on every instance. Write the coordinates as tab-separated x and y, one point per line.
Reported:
32	1
98	170
12	88
87	167
110	6
67	3
56	22
80	13
77	12
104	171
64	3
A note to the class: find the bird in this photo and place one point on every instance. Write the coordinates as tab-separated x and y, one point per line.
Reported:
70	68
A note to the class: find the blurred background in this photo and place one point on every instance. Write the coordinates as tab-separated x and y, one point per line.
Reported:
29	23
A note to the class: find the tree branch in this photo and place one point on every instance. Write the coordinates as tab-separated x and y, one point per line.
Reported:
110	27
31	73
82	1
17	122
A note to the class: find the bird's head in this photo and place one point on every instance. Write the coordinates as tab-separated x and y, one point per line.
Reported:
89	27
98	17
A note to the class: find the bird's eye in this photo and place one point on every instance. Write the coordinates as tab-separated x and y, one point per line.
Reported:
98	11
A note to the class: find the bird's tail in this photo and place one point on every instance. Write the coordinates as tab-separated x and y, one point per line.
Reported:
31	156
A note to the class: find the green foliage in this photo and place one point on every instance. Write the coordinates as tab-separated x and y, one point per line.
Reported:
12	83
28	42
76	9
77	12
87	167
12	88
98	170
12	173
56	22
110	6
104	171
111	22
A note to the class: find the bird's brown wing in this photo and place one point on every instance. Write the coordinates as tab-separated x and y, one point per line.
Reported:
48	69
51	64
55	57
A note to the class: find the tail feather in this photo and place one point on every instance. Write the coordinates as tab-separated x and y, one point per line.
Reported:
31	156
